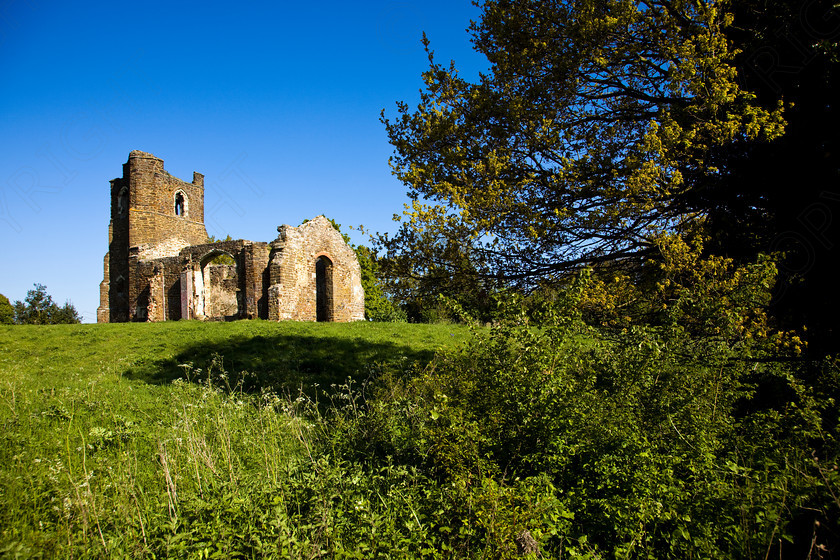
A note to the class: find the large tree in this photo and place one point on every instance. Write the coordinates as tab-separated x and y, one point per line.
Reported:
600	126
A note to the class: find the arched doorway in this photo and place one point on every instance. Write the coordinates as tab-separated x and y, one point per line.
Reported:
323	289
217	287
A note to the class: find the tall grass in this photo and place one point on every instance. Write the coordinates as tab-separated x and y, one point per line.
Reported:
136	441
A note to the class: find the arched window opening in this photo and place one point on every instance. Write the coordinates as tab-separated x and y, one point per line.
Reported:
120	288
122	202
323	289
180	204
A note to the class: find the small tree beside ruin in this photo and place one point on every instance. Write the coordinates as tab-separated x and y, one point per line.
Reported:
38	308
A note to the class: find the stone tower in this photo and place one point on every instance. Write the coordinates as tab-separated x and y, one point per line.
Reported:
153	215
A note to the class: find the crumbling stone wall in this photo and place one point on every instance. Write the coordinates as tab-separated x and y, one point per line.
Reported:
159	266
294	274
215	291
153	283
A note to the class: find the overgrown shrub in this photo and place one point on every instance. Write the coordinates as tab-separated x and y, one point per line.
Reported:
650	443
702	435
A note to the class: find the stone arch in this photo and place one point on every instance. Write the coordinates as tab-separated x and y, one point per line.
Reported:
217	287
324	288
181	203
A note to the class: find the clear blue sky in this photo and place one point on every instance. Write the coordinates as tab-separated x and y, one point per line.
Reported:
277	103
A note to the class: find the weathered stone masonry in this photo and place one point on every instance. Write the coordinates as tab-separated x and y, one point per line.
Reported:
160	267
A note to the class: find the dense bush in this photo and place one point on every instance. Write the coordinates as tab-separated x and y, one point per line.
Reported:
646	444
702	434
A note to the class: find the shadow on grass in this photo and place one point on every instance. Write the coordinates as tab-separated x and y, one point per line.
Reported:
282	362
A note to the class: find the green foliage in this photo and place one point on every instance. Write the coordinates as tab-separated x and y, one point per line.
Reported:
7	312
222	258
604	127
301	440
38	308
587	139
707	295
700	437
650	443
427	295
378	307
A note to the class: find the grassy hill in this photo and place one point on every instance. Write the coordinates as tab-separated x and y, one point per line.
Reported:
103	453
278	354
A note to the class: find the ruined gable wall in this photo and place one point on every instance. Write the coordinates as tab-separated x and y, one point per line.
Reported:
293	292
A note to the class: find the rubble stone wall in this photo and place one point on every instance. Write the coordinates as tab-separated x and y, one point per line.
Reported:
293	290
221	291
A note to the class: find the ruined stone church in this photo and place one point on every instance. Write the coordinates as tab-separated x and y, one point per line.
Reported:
160	266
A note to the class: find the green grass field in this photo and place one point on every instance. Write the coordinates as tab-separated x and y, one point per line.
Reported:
104	453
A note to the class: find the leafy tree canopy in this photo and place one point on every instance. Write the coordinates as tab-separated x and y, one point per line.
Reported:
38	308
603	125
7	312
596	119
